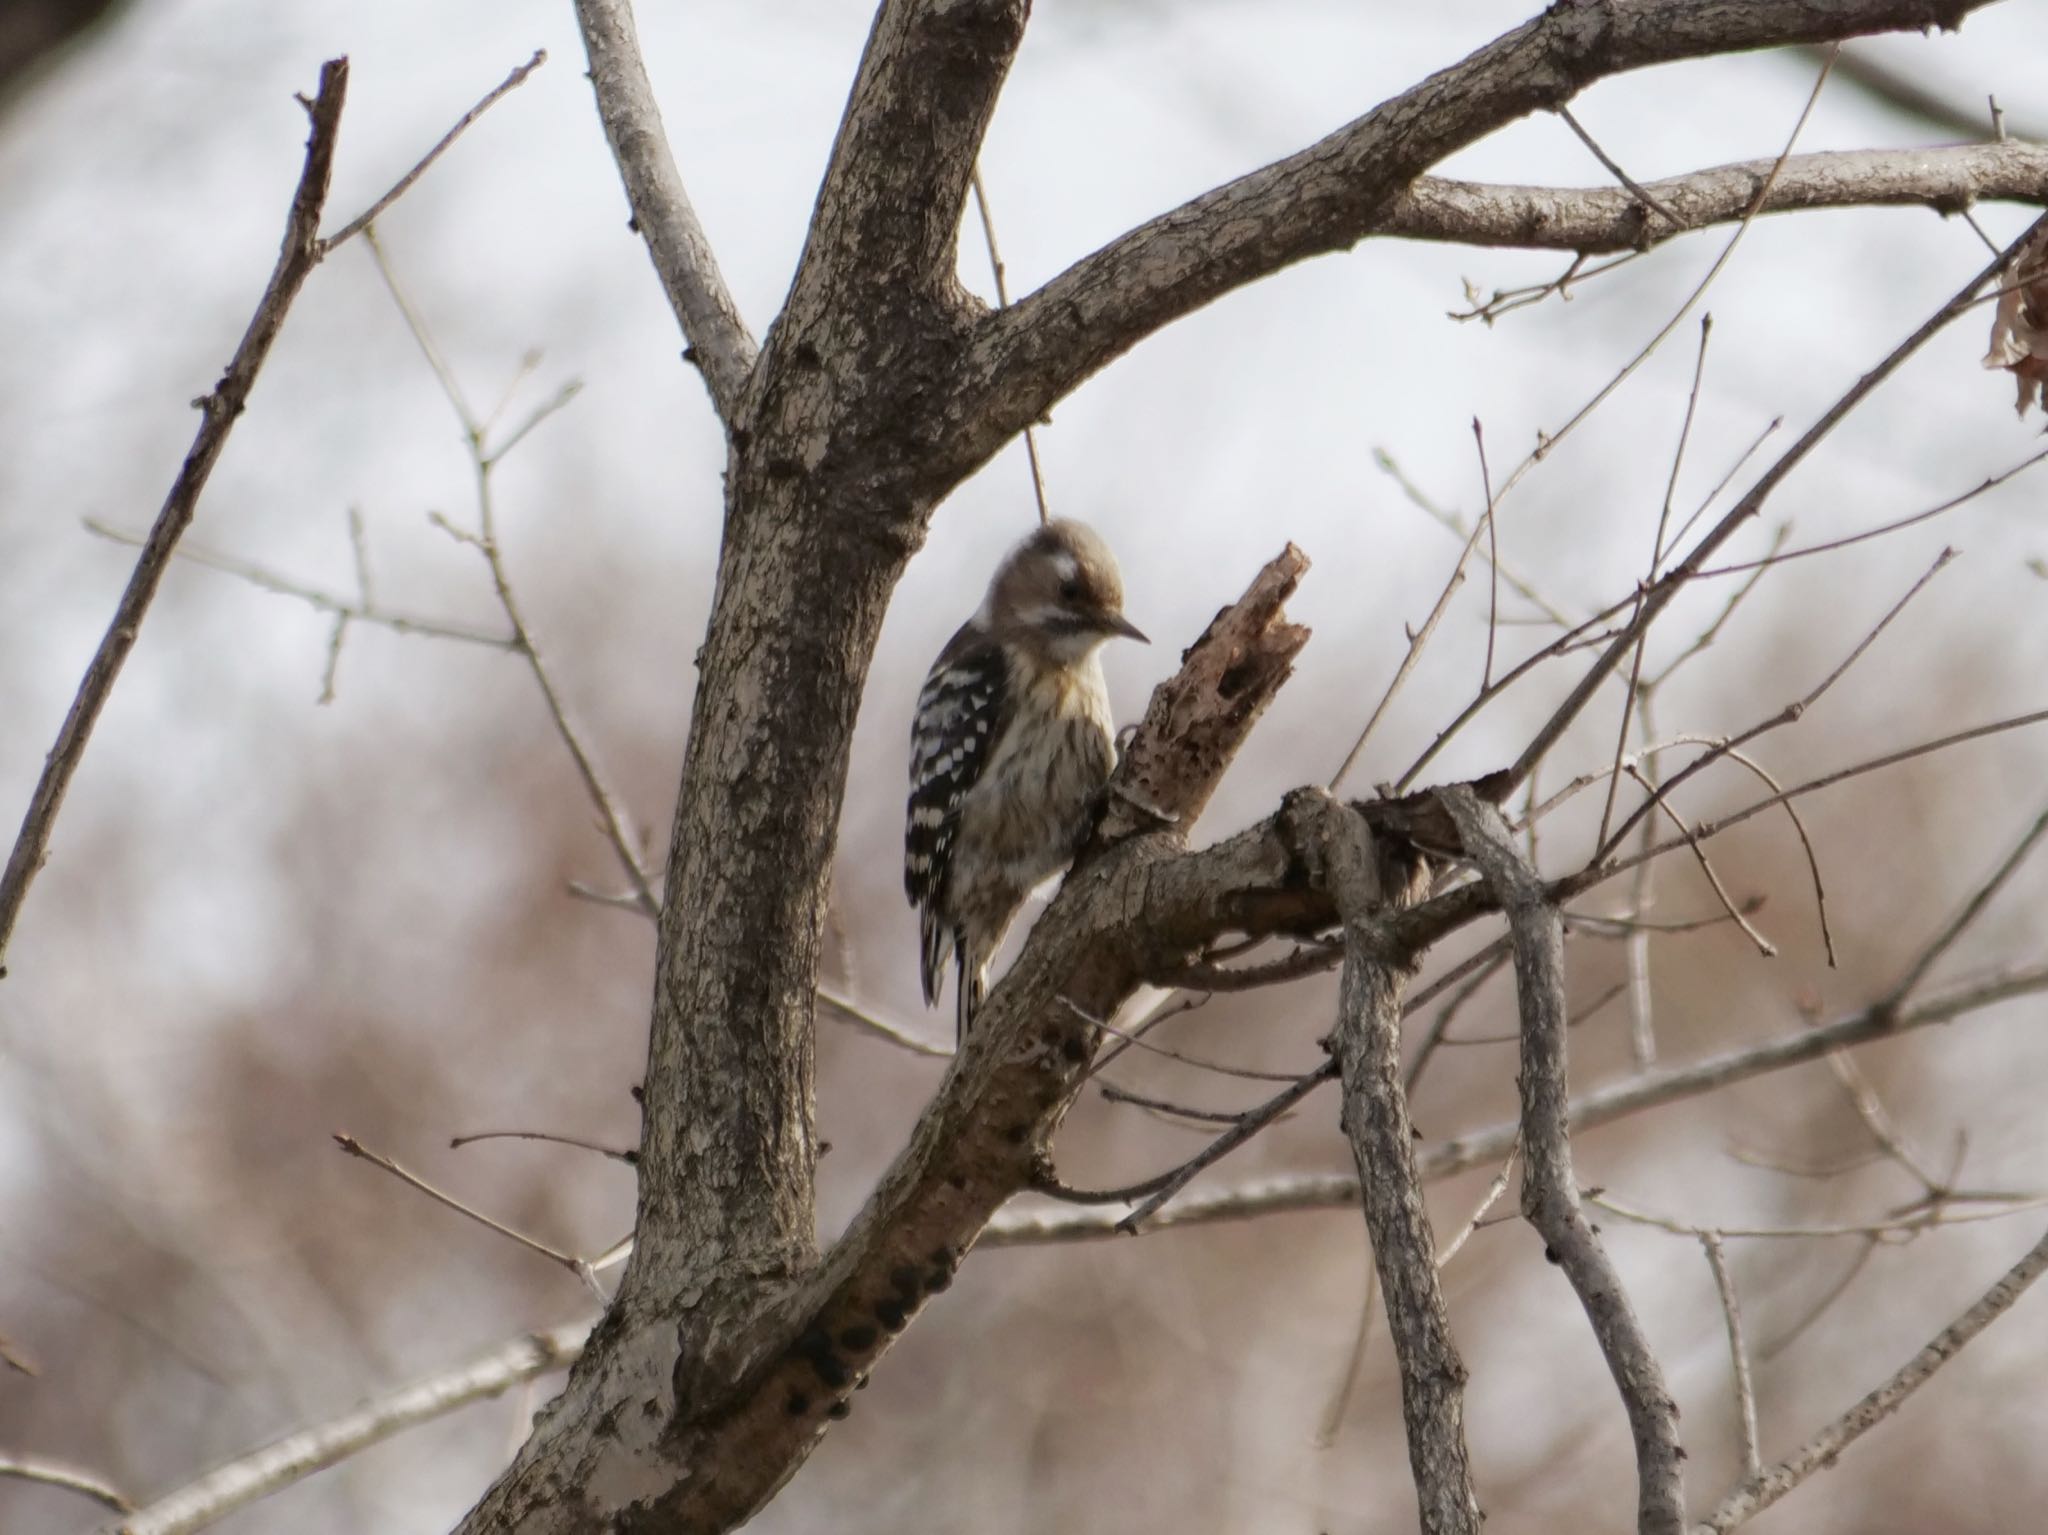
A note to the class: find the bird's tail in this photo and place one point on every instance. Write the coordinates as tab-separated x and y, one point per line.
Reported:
973	985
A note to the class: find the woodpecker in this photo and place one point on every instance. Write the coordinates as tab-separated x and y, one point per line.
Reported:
1009	750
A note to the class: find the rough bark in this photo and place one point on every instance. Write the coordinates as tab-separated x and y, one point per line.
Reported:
1332	194
1366	877
879	387
1592	221
1550	1191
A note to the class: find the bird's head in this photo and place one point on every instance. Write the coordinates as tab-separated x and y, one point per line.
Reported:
1059	594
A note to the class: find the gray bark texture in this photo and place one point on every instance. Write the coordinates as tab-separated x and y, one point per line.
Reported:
880	386
1367	877
1550	1192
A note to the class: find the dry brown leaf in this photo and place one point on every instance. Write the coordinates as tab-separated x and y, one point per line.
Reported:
2019	325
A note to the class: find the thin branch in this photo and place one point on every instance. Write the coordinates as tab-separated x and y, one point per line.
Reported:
569	1261
1492	1197
1453	523
1790	714
346	610
1826	1447
1764	946
1980	898
53	1473
627	1155
484	457
1738	1354
1883	530
1309	959
404	183
881	1028
1707	829
1417	639
1633	691
218	411
1439	1029
995	265
1888	1228
292	1459
720	344
1642	195
1157	1193
1550	1193
1500	786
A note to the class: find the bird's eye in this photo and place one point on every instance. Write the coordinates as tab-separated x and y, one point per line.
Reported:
1070	591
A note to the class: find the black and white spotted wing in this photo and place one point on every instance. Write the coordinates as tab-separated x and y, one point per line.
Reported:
960	716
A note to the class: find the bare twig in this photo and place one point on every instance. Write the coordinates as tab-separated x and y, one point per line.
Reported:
399	188
575	1265
1883	530
361	610
1492	552
881	1028
1453	523
1707	829
627	1155
295	1457
1824	1448
1332	1421
1417	639
1550	1193
1738	1354
484	457
1788	715
1504	784
1158	1192
218	410
1980	898
54	1473
1763	945
1487	1201
1310	959
1646	198
995	265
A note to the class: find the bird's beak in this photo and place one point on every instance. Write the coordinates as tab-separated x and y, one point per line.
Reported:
1116	623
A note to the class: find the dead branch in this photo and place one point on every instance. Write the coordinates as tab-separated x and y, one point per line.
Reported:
55	1473
218	410
1550	1192
1364	881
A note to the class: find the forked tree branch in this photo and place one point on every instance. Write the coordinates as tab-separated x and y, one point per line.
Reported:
218	409
1824	1448
1550	1191
1594	221
886	234
720	344
1336	191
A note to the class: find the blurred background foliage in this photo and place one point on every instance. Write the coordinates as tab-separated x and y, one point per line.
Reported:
267	919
